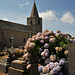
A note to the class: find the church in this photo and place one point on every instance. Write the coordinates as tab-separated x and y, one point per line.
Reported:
19	33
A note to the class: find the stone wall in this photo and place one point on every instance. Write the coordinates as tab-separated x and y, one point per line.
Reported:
20	32
72	58
19	37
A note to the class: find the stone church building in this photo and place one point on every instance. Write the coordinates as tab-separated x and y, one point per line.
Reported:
20	32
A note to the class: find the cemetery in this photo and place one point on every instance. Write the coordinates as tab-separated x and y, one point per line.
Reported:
46	53
29	50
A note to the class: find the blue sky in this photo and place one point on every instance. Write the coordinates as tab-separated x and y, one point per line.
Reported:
56	14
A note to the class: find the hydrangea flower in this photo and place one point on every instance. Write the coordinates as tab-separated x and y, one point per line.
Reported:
61	62
43	57
46	30
51	72
46	45
28	66
46	54
66	52
58	31
51	39
24	56
40	68
42	41
37	38
43	53
40	49
30	40
56	69
53	57
25	50
51	65
56	64
46	37
46	51
71	40
63	59
58	48
28	54
51	32
47	61
31	45
45	69
39	34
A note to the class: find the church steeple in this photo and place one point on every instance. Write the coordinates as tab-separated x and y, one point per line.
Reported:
34	19
34	12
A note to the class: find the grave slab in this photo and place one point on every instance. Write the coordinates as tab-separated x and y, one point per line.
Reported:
18	64
13	71
7	59
4	66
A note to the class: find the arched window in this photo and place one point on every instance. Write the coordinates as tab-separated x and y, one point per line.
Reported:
31	22
10	40
38	22
24	40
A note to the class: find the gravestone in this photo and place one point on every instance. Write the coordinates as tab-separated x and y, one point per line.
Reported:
5	63
72	58
4	66
18	67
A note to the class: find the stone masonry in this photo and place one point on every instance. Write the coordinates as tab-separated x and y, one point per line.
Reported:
20	32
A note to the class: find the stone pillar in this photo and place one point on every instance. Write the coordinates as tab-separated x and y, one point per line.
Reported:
72	58
34	70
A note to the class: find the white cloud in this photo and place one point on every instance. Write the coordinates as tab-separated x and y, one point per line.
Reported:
25	4
21	5
67	18
5	18
48	15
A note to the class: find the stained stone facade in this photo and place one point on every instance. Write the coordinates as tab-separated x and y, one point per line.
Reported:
20	32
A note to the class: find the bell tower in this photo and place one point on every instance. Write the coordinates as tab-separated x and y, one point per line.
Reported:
34	19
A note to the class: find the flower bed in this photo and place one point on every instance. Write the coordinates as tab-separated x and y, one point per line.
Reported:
49	50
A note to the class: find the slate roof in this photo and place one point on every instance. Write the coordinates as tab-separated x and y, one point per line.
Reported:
15	26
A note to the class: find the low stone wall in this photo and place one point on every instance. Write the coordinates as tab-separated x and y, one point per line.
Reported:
72	59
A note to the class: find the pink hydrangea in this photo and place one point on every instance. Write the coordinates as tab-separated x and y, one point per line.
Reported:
31	45
40	49
43	53
28	66
46	45
40	68
51	39
41	37
39	34
46	54
53	57
30	40
43	57
46	37
58	31
46	51
42	41
37	38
